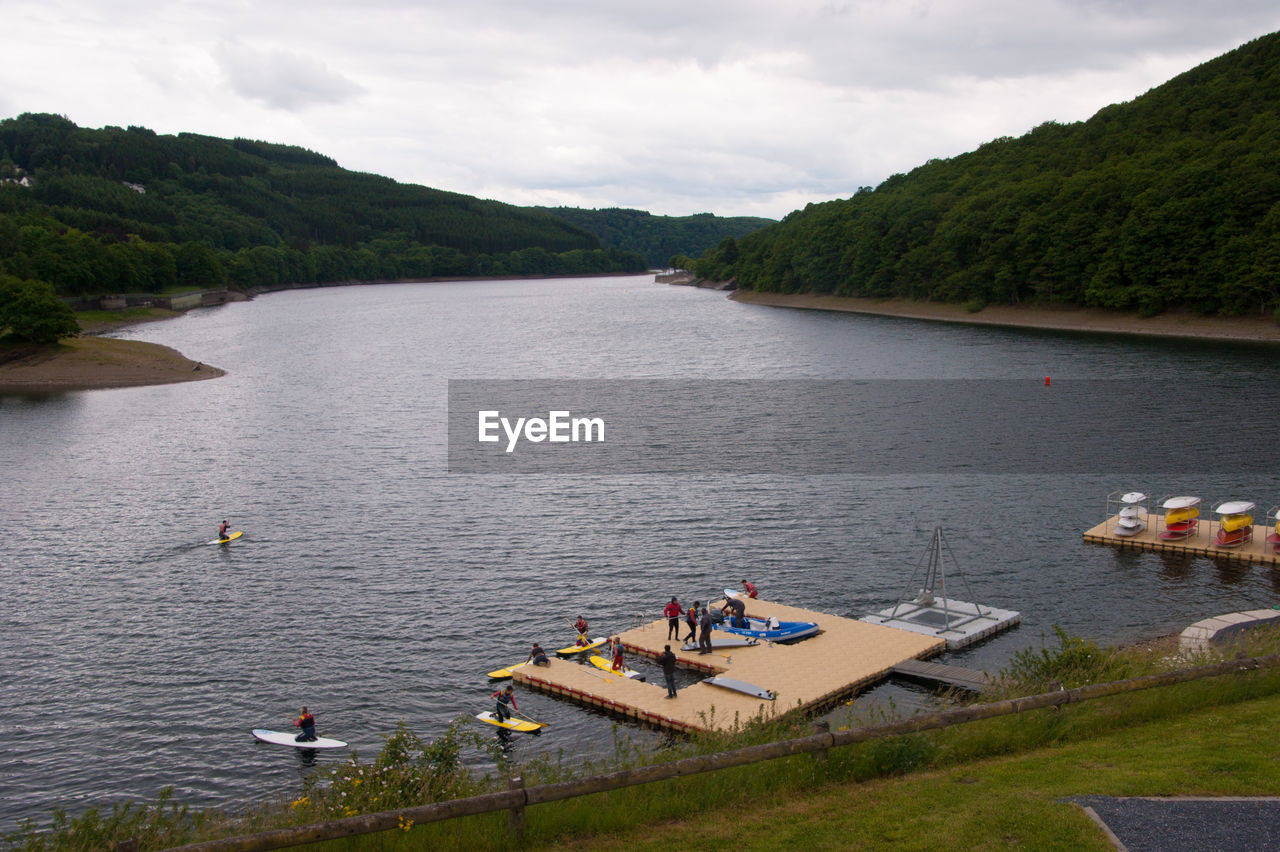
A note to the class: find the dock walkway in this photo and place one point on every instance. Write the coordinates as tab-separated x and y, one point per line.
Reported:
810	675
961	678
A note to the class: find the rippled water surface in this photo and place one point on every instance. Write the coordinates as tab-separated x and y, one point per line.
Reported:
374	586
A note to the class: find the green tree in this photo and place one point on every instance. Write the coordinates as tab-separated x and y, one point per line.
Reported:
32	312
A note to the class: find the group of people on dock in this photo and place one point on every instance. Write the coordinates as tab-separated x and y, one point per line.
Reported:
697	617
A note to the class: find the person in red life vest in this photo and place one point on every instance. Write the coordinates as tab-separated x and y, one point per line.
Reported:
691	619
504	703
307	723
581	626
673	611
749	589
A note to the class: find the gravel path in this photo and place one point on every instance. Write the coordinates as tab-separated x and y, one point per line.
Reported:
1174	825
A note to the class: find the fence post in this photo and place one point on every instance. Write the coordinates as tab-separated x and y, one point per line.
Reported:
515	816
822	726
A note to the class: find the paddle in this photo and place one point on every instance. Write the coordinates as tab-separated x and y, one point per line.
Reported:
532	721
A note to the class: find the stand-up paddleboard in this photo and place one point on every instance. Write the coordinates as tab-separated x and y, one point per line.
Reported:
503	674
606	665
520	725
742	686
235	535
578	649
287	739
723	642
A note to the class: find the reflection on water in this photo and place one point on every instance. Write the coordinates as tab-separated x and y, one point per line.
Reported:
376	587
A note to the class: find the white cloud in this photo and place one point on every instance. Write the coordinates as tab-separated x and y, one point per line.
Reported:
281	79
746	107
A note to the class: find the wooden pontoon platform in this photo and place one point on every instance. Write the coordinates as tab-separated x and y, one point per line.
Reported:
811	674
1202	543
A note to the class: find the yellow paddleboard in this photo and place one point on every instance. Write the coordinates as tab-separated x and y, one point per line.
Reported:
235	535
607	665
578	649
510	724
507	672
1177	516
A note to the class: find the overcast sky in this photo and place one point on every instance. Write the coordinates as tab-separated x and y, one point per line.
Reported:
733	108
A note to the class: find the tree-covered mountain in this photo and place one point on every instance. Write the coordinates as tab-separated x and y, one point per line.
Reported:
128	210
1172	199
658	238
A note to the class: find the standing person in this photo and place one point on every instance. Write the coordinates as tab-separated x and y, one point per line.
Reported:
538	656
668	662
691	619
223	529
504	699
618	664
306	722
672	611
704	637
750	589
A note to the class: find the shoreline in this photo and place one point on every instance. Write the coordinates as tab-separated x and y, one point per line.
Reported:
97	363
1094	320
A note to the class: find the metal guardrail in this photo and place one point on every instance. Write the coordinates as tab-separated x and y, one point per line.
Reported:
515	799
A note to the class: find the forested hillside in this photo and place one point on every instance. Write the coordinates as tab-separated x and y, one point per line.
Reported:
1172	199
126	210
658	238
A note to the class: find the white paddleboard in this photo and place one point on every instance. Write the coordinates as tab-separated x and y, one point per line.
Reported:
722	641
286	738
742	686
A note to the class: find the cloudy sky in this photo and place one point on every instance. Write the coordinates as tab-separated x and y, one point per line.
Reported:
750	107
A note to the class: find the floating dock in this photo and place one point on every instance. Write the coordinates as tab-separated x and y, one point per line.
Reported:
1200	543
960	623
953	676
809	675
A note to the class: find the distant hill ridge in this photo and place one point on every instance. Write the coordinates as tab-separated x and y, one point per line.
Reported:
128	210
1170	200
659	238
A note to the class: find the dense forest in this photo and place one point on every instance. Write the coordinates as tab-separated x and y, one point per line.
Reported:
129	211
658	238
1169	200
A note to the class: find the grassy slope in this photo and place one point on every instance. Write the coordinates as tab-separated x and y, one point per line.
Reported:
996	784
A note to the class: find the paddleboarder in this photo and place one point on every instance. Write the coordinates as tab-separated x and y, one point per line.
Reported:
581	626
306	722
750	589
538	656
673	611
224	529
618	664
503	699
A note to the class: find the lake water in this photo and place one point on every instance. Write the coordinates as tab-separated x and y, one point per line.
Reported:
375	586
